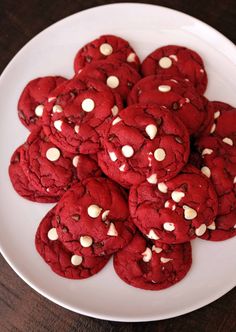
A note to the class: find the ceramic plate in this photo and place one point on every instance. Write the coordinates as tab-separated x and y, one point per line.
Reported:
105	296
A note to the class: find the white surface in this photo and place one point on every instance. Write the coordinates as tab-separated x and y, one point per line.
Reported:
105	296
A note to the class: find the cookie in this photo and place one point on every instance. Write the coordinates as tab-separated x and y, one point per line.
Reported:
32	99
144	143
107	47
174	211
154	267
86	166
177	95
117	75
75	118
49	169
175	61
63	262
21	183
92	218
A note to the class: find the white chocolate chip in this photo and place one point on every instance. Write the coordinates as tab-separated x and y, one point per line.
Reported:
114	110
76	260
167	204
57	124
235	226
164	88
118	119
165	260
86	241
201	70
169	226
131	57
39	110
112	156
152	235
52	234
212	226
113	82
106	49
76	129
187	100
200	230
51	99
53	154
151	130
206	171
94	210
162	187
207	151
112	230
189	213
216	114
156	249
177	196
127	151
152	179
75	161
173	56
234	181
165	62
172	80
57	109
122	168
88	105
159	154
213	128
228	141
147	255
105	214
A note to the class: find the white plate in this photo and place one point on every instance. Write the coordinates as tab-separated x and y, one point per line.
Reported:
105	296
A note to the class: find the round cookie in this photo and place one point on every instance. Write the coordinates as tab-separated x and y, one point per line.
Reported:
144	143
21	183
176	61
49	169
92	218
174	211
62	261
177	95
32	99
154	267
117	75
106	47
76	117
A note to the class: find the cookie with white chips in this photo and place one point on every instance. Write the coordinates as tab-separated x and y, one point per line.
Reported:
106	47
32	99
174	211
63	262
144	143
176	61
151	266
92	218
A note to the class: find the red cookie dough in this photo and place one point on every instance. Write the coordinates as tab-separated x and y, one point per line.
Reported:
76	118
106	47
177	95
117	75
21	183
154	267
92	218
177	61
49	169
33	97
174	211
144	143
62	261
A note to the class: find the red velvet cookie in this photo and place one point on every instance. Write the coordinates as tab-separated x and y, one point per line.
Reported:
177	95
93	218
49	169
174	211
33	97
117	75
74	120
87	166
144	143
177	61
144	265
62	261
106	47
